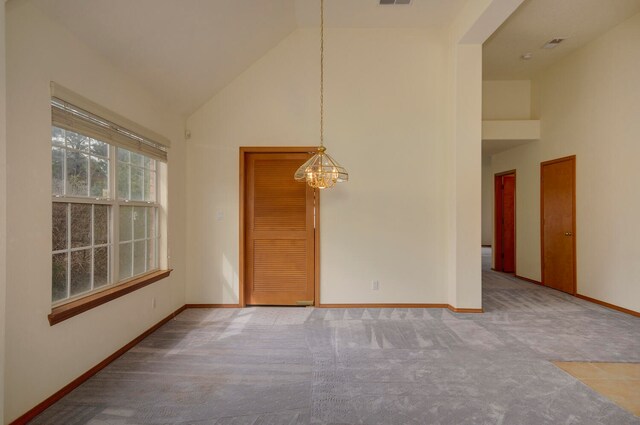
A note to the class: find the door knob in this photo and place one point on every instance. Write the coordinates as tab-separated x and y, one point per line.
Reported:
568	234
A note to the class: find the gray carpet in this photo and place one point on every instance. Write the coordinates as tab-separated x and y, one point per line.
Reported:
367	366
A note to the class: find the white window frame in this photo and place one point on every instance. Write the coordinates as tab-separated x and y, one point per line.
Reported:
114	202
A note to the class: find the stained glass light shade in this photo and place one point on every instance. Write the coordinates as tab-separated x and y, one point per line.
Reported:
321	171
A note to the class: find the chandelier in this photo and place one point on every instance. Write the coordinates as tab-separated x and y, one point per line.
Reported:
321	171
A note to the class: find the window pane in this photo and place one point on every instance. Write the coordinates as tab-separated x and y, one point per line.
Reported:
139	257
100	267
57	171
80	225
99	148
147	186
137	159
139	225
150	186
57	136
125	261
151	254
77	165
77	141
123	155
151	222
137	183
123	180
59	277
99	177
126	230
59	222
80	271
100	224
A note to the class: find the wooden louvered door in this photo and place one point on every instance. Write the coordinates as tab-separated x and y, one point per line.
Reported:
279	231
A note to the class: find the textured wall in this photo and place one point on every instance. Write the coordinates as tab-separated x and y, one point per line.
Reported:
588	104
40	358
385	99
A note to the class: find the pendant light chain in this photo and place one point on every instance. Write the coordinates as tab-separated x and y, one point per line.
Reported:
321	72
321	171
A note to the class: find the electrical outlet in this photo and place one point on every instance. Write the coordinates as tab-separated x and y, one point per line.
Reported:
375	285
153	302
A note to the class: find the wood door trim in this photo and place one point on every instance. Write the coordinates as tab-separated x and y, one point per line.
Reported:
505	173
573	219
244	151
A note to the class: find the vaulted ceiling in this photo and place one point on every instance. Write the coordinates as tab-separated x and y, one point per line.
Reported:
185	51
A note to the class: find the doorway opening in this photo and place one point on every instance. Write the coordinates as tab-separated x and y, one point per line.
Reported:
279	229
505	222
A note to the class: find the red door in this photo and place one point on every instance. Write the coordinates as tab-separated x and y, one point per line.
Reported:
509	220
505	223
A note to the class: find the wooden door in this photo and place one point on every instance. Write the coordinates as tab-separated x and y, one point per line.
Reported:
558	224
505	222
279	231
509	219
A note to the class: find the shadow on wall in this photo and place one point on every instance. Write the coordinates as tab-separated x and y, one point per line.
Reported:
230	276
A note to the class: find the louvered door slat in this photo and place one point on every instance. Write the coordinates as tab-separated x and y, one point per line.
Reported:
279	241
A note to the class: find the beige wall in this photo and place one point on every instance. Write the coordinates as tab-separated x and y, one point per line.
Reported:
487	201
3	203
589	107
464	167
473	25
525	160
506	100
384	123
406	101
40	358
501	100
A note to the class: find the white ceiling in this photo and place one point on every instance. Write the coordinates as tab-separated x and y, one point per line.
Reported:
491	147
370	14
538	21
185	51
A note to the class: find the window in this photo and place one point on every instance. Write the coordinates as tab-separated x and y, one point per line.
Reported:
84	211
106	209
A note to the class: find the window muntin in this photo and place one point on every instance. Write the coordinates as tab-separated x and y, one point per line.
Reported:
91	225
138	241
80	165
136	177
81	246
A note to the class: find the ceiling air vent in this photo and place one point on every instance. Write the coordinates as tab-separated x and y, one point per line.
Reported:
393	2
552	44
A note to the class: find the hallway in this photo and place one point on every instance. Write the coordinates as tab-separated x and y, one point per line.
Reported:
367	366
